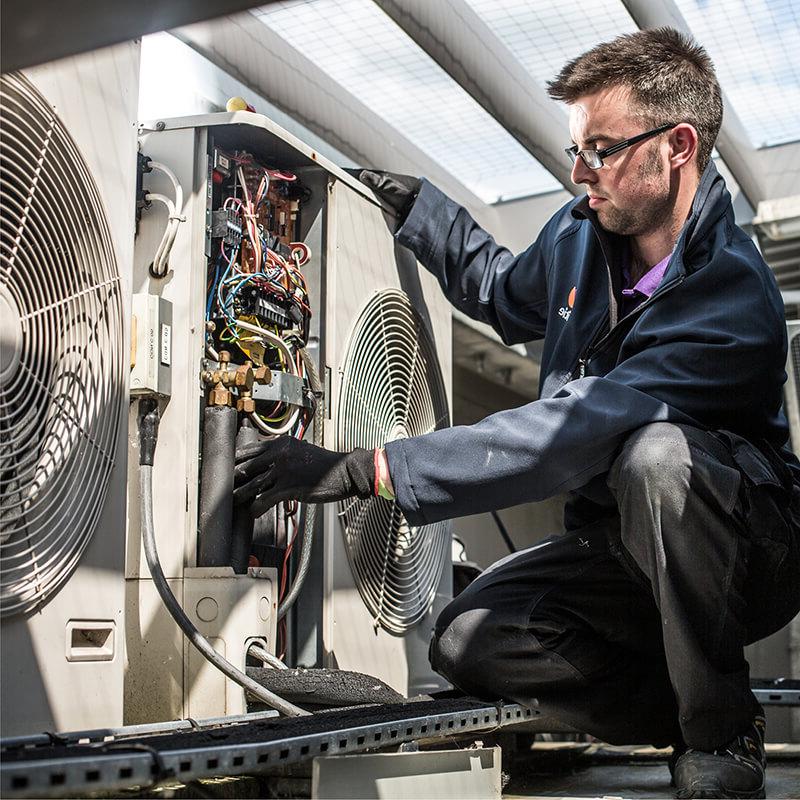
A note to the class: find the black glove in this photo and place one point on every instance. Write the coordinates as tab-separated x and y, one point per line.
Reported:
285	468
397	191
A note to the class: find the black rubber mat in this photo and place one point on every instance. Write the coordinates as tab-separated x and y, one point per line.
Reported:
324	688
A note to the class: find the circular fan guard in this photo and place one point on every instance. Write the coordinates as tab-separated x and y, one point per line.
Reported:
61	361
391	388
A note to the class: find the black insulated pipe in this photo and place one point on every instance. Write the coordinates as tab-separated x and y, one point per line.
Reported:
215	518
148	437
242	538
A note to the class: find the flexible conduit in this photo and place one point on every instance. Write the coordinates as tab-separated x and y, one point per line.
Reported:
148	436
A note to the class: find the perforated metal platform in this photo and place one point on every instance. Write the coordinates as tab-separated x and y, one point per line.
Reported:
61	768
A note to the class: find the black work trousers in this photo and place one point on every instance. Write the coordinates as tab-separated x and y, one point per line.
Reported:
632	628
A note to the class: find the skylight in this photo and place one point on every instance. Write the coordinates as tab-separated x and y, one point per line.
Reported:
543	35
372	58
755	45
176	81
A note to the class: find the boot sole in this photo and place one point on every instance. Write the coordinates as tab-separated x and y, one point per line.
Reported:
710	790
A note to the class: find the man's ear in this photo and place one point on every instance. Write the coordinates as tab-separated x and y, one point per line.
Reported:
683	144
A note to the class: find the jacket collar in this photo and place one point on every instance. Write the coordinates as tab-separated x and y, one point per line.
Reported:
711	203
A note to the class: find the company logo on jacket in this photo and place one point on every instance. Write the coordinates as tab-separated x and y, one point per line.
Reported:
565	311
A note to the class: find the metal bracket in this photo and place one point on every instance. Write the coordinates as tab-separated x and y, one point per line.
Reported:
284	388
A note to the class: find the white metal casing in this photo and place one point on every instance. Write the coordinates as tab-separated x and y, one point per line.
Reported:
62	665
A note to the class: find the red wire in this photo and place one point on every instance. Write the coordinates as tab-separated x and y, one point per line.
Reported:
284	586
285	566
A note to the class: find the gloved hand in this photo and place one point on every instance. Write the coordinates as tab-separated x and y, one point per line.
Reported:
397	191
286	468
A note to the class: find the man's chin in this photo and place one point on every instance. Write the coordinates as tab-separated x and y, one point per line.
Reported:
612	221
608	220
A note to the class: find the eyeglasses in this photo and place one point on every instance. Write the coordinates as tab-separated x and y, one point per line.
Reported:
594	158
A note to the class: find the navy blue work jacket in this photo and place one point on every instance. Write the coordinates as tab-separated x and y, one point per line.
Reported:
708	348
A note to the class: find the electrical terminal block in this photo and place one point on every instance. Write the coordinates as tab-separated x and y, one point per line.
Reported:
226	225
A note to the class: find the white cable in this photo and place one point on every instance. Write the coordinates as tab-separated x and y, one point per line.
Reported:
168	239
173	179
265	427
161	259
160	198
267	657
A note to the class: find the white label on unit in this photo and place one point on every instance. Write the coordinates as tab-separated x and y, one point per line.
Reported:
166	345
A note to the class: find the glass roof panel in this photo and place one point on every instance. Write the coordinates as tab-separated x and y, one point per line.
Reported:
755	45
176	81
355	43
544	35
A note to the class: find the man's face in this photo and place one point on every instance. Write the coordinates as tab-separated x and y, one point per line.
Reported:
630	193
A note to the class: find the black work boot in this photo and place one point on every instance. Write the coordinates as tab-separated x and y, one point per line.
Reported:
735	770
678	749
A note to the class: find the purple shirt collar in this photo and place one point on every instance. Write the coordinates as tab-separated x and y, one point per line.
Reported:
649	282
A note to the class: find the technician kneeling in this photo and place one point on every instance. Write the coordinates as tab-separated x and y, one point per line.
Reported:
659	410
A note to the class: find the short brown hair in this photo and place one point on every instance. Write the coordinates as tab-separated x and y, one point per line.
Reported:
671	79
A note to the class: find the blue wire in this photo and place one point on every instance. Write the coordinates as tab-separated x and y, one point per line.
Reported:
213	291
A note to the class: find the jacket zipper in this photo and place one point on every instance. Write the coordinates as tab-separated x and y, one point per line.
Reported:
595	346
582	361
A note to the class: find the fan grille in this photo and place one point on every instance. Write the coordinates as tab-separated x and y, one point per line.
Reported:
391	388
61	363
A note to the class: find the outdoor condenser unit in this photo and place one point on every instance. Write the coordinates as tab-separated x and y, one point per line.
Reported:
86	328
380	334
67	156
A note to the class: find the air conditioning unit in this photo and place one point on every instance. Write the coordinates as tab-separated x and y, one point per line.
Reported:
68	185
89	322
380	336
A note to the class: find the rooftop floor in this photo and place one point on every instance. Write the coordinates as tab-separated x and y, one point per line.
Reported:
567	770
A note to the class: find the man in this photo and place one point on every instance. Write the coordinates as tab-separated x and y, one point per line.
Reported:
659	410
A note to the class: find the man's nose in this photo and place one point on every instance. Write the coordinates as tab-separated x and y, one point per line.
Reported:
581	173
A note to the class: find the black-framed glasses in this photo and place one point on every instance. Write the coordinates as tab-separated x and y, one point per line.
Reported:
594	158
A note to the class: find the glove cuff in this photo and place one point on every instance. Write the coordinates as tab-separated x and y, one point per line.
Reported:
402	214
360	465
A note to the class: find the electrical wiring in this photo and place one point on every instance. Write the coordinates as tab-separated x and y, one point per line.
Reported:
258	309
160	264
176	185
277	341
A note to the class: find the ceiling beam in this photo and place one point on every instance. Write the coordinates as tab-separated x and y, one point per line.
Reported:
732	143
461	43
37	31
257	56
